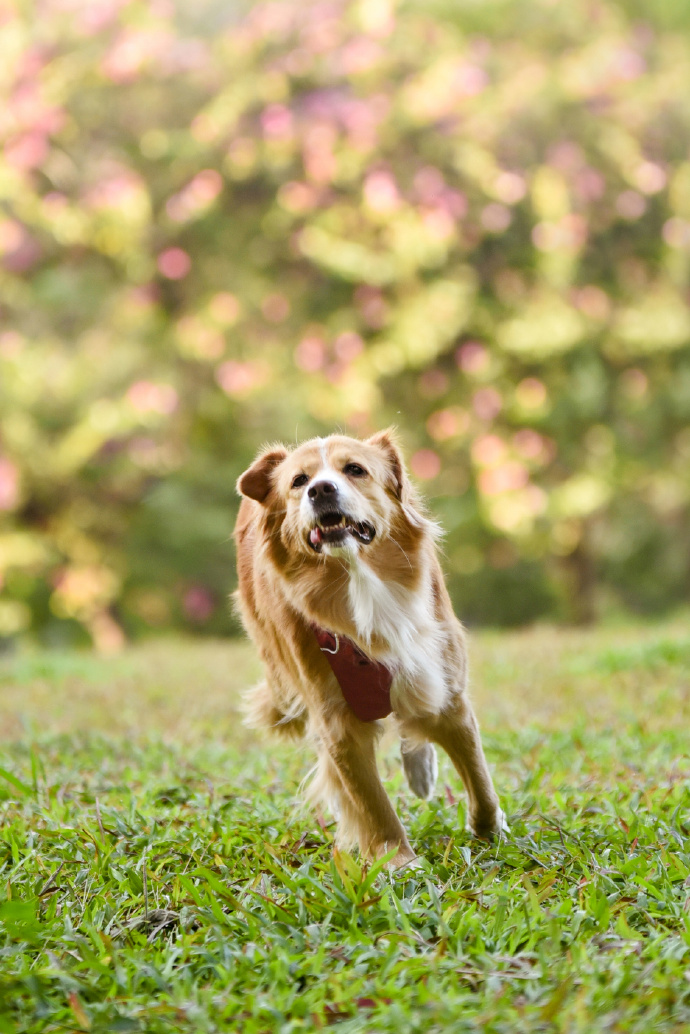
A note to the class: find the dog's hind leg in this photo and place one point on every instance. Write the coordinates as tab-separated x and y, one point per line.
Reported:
263	709
421	767
347	774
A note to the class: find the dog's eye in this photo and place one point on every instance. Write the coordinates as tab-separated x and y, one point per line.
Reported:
300	480
354	470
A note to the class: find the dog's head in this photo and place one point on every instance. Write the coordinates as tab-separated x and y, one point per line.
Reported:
335	495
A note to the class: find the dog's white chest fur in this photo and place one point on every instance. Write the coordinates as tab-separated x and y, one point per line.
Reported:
402	618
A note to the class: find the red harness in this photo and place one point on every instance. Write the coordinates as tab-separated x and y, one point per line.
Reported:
365	684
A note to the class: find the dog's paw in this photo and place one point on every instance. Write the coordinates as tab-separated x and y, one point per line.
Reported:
421	769
411	864
489	825
404	861
403	858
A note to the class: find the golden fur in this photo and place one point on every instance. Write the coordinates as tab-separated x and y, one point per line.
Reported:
388	596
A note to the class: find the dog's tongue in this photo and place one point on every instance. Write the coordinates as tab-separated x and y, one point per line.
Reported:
315	536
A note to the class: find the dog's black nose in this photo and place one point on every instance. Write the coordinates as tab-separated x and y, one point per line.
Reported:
320	491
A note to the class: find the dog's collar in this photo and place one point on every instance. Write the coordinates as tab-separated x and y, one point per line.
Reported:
365	684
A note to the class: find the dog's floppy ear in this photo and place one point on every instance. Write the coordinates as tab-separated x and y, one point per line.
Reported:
387	442
256	482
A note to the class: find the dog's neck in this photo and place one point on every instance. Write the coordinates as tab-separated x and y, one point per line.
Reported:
393	623
384	608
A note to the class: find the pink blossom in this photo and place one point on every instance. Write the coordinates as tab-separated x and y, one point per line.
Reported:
507	477
487	403
174	263
205	128
531	393
11	344
488	450
12	235
348	346
206	185
199	339
27	109
224	308
297	197
150	397
322	32
433	383
361	120
650	178
566	155
469	80
198	604
9	484
510	187
425	464
276	122
372	305
23	257
528	443
439	223
359	55
447	423
429	184
495	218
593	301
631	205
131	51
676	232
183	55
628	64
634	383
589	185
381	192
145	296
569	232
238	379
310	354
98	15
298	61
114	192
27	151
472	357
196	196
319	160
275	307
455	202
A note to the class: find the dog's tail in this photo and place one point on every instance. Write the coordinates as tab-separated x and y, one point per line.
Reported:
263	711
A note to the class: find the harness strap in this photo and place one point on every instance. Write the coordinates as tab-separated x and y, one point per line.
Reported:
365	684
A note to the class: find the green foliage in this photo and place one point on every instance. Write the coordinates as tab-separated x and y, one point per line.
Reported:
217	229
144	887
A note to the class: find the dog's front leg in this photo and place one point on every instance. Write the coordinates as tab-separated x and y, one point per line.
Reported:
347	775
456	730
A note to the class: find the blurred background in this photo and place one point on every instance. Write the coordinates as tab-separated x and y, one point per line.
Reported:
226	224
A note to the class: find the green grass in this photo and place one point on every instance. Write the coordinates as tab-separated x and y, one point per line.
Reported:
156	873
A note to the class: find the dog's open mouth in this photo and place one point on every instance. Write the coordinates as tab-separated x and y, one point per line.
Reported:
333	528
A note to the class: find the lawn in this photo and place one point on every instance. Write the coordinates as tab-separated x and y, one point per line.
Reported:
157	873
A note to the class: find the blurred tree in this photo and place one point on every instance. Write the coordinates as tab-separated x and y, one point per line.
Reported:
470	220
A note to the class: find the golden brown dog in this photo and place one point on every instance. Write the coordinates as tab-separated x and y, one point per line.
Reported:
341	590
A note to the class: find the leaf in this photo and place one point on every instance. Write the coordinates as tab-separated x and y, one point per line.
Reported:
16	783
79	1012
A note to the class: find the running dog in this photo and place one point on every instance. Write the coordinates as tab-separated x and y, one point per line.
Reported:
341	589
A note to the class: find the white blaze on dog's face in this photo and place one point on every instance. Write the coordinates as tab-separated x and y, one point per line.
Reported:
340	494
